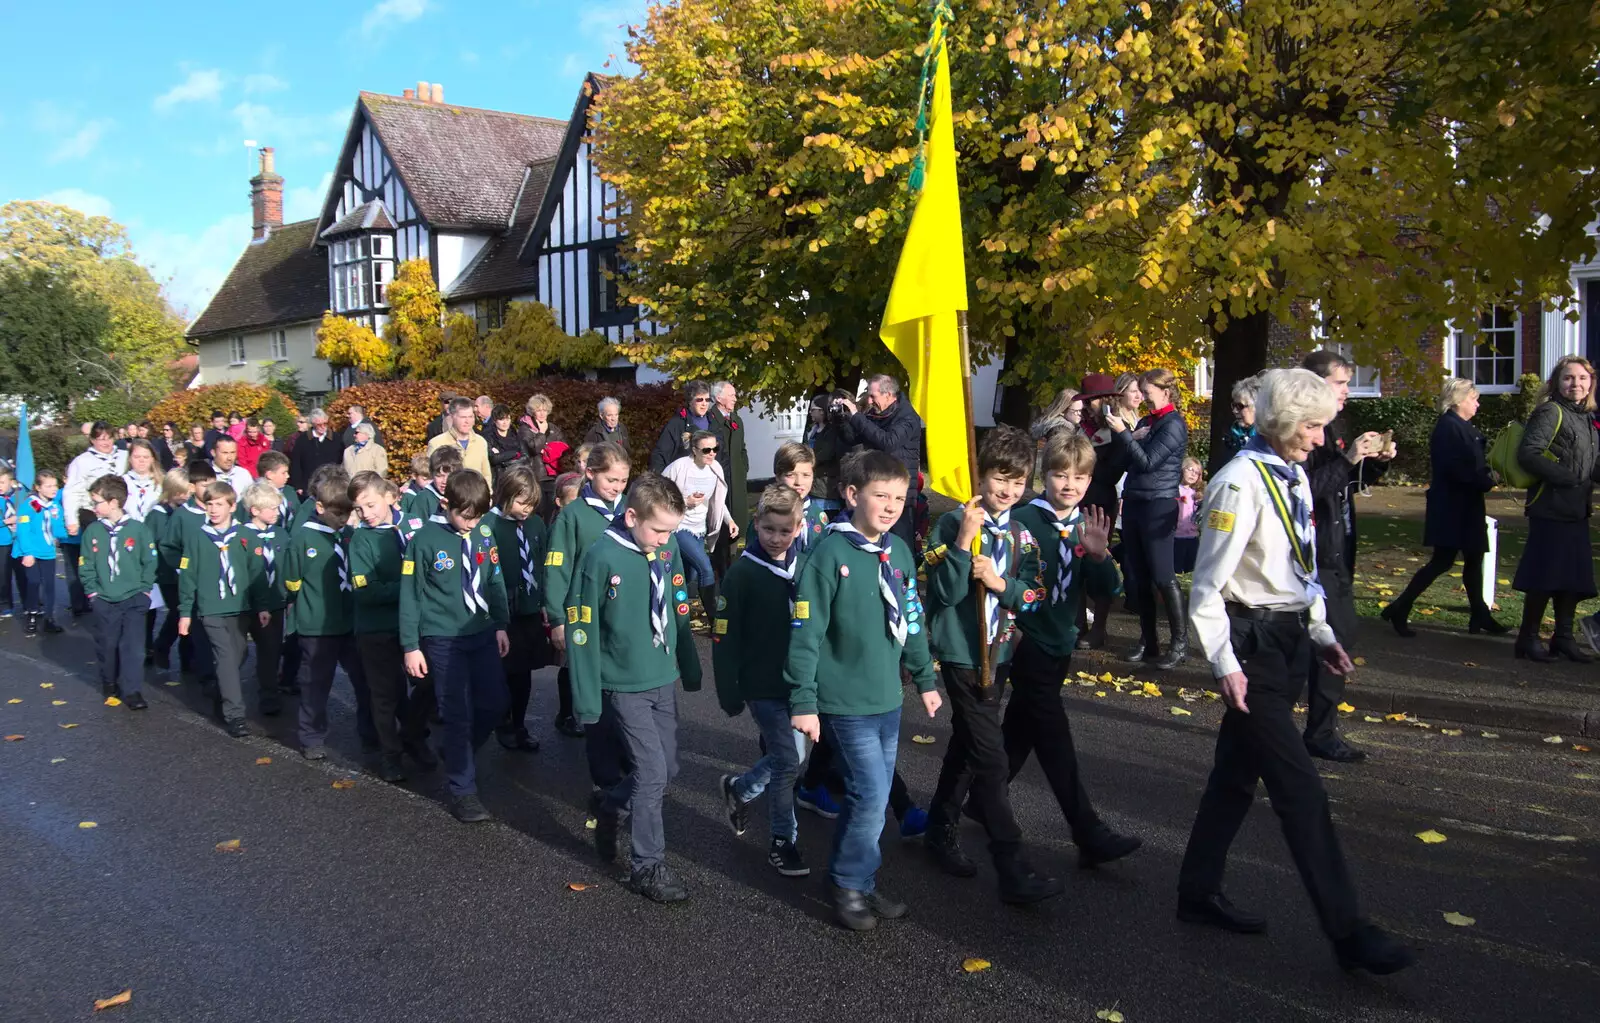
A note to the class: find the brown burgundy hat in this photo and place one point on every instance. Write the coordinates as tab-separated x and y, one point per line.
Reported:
1097	385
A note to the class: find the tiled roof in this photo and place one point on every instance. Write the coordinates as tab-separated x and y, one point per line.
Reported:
370	216
496	271
463	166
283	279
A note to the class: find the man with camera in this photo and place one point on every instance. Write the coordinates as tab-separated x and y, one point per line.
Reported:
887	423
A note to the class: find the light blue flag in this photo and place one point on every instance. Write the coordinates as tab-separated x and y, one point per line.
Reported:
24	464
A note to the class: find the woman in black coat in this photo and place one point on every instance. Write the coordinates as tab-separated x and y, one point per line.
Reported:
1155	449
504	439
1455	524
1557	567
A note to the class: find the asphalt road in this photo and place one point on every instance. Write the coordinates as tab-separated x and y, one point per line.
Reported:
371	903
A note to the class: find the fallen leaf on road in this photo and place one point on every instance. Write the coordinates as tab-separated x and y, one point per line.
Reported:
57	760
1458	920
1554	740
1374	720
1395	717
1213	695
590	823
70	724
58	703
262	761
1108	677
112	701
1102	692
1347	708
1109	1015
1084	674
15	738
1449	731
1299	708
1469	664
86	825
15	699
1580	749
1490	735
1151	689
1503	582
1427	611
579	886
172	683
1431	837
924	740
120	998
344	783
975	965
47	685
1360	662
1180	712
231	845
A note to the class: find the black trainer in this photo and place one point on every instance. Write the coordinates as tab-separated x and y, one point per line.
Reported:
605	837
468	809
784	856
657	884
237	729
1020	884
851	910
738	817
389	768
884	906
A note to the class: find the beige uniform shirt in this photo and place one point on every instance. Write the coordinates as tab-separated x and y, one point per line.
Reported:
474	456
1245	558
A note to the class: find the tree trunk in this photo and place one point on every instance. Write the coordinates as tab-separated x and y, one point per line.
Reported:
1014	405
1238	351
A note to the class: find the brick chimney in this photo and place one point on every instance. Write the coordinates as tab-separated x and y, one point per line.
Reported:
266	198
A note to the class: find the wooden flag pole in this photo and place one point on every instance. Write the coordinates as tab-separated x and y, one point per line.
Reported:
984	679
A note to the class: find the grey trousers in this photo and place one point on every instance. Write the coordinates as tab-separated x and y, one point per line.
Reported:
229	641
647	725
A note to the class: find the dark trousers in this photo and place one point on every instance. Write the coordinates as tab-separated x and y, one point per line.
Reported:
1036	723
39	590
528	653
268	639
1324	692
822	771
470	687
1148	527
975	760
289	676
77	599
6	602
1264	745
194	653
605	750
1439	564
228	640
563	693
119	641
397	717
326	653
646	725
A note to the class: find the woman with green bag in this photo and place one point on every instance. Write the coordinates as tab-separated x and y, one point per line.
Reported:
1559	449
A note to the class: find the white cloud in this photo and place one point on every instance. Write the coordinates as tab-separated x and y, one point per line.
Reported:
80	143
204	86
193	266
78	199
257	84
303	203
390	13
603	22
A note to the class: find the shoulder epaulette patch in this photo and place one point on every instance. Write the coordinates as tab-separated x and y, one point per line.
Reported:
572	616
802	609
553	559
721	627
360	581
1221	521
1233	486
408	567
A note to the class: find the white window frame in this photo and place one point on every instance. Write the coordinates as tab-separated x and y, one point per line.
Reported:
1453	361
278	346
1202	377
236	350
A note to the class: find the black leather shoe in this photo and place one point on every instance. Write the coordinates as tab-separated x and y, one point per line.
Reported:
944	845
885	907
1397	616
1370	949
1217	911
1020	884
135	702
1486	623
851	910
605	837
1141	653
1566	646
1339	751
389	769
1106	847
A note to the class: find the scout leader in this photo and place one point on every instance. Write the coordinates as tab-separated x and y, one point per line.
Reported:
629	639
1005	576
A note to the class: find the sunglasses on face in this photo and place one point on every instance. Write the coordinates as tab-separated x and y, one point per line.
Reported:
1240	406
709	451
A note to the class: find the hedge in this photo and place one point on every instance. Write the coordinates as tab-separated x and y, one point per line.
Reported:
402	409
188	408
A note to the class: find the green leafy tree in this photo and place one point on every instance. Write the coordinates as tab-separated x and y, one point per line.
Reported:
285	380
51	334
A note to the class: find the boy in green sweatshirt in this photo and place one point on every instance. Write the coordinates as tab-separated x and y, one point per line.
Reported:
377	549
453	619
425	500
575	529
857	621
212	585
117	566
1004	576
1072	548
267	597
520	535
273	467
194	653
750	639
629	640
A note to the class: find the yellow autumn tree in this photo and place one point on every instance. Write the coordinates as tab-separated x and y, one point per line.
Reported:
344	342
531	342
415	313
460	352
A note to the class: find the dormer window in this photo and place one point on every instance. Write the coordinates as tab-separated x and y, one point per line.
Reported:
361	267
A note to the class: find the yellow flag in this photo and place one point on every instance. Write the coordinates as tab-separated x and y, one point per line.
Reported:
930	286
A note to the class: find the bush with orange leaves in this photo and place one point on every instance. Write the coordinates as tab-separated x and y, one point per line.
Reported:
188	408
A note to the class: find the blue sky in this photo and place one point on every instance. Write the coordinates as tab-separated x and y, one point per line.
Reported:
141	111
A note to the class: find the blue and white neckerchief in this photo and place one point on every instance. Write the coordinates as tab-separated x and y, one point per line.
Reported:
1291	501
395	524
341	557
141	494
113	528
888	585
192	509
47	511
471	576
658	583
998	530
227	585
265	535
1064	529
802	542
592	499
787	569
530	581
283	507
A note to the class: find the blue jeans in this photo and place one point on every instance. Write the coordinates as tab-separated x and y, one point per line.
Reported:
471	689
774	773
695	557
865	747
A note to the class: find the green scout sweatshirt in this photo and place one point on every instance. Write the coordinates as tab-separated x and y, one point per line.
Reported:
135	554
174	534
576	528
316	571
432	599
1054	626
610	642
376	560
524	577
811	532
842	657
750	637
288	508
267	591
952	592
420	504
203	587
